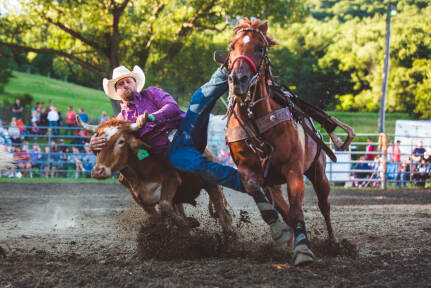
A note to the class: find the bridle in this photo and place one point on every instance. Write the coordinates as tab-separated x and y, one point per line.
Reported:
256	142
250	101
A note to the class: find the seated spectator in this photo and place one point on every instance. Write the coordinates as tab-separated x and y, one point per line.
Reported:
88	159
14	132
418	152
24	163
103	117
76	159
46	160
82	139
4	136
34	129
403	173
422	173
36	157
361	174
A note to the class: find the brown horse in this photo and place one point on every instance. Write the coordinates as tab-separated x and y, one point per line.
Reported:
261	131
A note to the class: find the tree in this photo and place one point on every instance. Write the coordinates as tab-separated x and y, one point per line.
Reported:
100	35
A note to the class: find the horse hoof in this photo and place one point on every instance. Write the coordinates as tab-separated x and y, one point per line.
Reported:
281	232
192	222
302	255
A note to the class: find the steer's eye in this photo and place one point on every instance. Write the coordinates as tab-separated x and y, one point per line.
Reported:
121	142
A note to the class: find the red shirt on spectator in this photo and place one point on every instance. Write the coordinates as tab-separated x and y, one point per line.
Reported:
70	117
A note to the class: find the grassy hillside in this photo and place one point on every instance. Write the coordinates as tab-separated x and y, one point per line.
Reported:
94	101
59	93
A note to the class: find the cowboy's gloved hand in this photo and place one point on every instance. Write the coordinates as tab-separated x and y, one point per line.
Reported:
143	119
97	143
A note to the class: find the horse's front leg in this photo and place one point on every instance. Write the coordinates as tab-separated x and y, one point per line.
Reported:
302	253
253	183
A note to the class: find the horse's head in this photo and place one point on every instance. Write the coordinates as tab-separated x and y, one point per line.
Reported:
248	52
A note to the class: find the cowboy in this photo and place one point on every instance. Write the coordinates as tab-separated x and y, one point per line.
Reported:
185	152
152	107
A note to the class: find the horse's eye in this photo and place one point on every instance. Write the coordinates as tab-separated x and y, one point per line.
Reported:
260	49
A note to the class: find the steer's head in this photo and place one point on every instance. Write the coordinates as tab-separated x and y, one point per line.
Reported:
121	144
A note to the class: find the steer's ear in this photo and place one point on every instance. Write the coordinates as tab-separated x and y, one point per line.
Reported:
137	144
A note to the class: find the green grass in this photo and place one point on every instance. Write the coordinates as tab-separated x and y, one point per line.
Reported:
59	93
63	94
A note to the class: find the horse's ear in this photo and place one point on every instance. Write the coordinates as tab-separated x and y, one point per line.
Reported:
264	27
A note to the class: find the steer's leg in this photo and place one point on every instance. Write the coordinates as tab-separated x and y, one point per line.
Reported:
170	184
219	201
149	208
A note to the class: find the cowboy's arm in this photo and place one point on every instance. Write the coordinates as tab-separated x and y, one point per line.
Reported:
168	107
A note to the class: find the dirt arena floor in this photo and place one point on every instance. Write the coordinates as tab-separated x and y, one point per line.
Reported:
94	235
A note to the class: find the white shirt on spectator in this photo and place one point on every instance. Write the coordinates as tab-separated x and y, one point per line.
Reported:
53	115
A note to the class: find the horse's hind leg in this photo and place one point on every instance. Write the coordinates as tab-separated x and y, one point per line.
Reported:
321	186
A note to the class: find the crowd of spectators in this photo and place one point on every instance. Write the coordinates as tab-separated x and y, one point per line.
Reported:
70	157
414	168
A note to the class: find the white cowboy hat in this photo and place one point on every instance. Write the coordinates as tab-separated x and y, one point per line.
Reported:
120	73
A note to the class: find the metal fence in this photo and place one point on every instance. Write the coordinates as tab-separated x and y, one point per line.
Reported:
64	152
383	166
49	152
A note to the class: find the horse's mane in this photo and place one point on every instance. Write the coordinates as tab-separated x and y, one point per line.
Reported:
255	24
113	122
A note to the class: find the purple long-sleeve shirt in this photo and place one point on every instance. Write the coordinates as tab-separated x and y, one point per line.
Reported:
165	110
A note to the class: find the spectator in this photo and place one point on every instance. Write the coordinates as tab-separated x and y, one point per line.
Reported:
103	117
24	163
371	149
34	129
82	139
14	132
35	115
35	158
53	118
403	173
89	159
418	152
61	161
17	109
60	117
43	120
75	158
362	165
4	136
83	115
70	121
396	152
47	160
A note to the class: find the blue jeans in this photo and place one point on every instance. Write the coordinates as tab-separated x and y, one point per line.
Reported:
185	151
54	125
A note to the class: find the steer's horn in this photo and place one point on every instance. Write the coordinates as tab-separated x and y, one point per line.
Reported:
134	127
88	127
350	134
